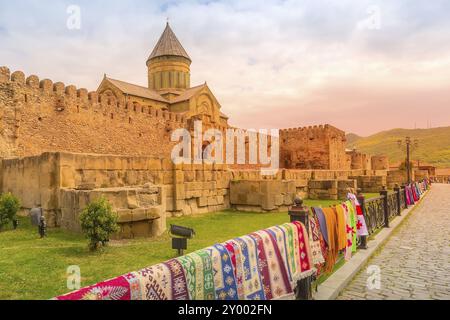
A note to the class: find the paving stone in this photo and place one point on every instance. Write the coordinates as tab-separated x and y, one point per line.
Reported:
415	261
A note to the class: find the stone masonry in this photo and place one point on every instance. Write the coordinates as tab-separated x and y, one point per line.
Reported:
318	147
60	182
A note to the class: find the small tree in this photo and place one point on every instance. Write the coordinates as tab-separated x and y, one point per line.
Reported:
9	206
98	222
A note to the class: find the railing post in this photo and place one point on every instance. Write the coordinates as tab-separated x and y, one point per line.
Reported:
300	213
362	203
385	194
399	203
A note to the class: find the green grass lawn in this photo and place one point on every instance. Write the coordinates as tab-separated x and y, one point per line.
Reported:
371	195
33	268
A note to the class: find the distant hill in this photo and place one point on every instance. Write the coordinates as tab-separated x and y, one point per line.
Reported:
434	145
352	139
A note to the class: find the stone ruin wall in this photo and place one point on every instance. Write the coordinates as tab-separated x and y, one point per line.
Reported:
398	177
330	189
371	184
380	162
35	181
42	116
64	183
188	189
140	210
262	195
360	160
318	147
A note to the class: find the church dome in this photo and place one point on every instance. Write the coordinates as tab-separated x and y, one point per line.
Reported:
168	45
169	64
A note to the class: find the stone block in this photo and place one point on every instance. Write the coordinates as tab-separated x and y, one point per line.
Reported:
154	164
220	200
158	226
167	164
268	203
125	232
141	229
279	199
132	201
148	199
67	177
139	214
131	178
288	199
301	183
193	194
192	186
169	204
199	175
189	176
180	192
187	209
179	176
212	201
202	202
167	177
207	175
291	187
223	183
124	215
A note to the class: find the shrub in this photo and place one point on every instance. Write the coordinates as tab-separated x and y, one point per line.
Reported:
9	206
98	222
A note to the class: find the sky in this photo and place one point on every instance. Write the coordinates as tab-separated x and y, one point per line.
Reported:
362	66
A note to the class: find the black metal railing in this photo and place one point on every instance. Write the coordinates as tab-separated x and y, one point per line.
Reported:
379	211
393	207
374	214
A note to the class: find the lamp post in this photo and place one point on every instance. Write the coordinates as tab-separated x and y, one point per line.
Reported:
409	145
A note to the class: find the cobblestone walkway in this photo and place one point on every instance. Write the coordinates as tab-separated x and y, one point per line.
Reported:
415	261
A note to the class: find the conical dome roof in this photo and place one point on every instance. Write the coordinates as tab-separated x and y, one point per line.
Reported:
169	45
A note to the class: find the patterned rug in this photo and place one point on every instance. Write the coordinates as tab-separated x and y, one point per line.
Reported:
264	265
113	289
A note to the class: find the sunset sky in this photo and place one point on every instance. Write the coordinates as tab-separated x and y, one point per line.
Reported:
363	66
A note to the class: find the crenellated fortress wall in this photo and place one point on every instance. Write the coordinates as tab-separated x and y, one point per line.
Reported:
38	116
